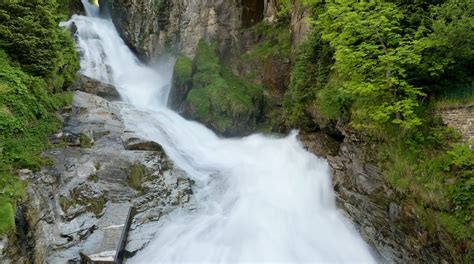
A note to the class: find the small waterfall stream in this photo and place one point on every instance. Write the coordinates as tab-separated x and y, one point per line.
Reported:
257	199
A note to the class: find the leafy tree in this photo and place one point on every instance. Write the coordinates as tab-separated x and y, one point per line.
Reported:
309	74
371	56
447	47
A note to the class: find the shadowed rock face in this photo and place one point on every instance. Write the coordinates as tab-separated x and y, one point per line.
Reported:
252	12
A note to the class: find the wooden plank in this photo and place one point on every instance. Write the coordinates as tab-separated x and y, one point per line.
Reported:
123	238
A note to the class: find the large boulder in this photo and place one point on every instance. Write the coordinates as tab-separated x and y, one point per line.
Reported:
96	87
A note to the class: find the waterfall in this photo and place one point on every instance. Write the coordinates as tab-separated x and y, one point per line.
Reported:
256	199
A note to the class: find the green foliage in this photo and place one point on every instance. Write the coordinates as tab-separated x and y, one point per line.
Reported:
26	120
219	98
333	103
30	34
310	74
182	72
372	56
447	46
276	41
384	58
7	220
436	175
369	65
37	59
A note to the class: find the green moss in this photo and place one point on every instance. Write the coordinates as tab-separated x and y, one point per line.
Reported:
7	216
94	204
206	59
182	72
136	176
97	165
93	178
85	141
276	41
221	99
65	203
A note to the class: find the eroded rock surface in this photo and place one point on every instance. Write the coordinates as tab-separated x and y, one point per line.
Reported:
99	171
363	195
151	27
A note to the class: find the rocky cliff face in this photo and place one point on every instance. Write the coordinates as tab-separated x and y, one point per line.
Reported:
153	27
389	226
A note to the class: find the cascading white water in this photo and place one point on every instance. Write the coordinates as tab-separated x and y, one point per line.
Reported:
256	199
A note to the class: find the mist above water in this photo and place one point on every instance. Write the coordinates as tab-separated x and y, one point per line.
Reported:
256	199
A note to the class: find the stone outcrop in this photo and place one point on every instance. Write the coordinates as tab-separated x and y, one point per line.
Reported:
99	171
364	196
181	83
300	24
153	27
92	86
218	98
460	118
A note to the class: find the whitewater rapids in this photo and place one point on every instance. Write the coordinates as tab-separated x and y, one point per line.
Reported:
257	199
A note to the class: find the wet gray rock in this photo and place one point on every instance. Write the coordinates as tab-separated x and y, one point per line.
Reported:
134	142
152	27
365	197
4	250
164	194
80	204
92	86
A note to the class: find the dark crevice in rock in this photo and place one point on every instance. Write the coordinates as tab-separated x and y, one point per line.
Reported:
252	12
163	15
24	243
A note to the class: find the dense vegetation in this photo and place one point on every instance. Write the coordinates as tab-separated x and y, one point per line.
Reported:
37	63
218	97
382	69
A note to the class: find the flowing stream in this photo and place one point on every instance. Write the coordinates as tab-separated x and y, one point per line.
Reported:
257	199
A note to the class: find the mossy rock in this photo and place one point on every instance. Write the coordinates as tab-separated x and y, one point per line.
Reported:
136	176
7	217
220	99
84	195
181	83
85	141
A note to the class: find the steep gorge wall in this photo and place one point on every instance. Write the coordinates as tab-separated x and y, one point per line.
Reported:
153	27
388	225
379	213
